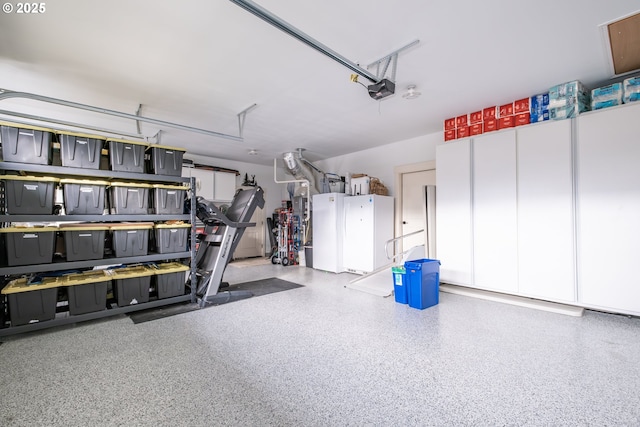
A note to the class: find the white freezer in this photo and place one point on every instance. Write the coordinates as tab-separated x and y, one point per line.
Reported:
327	229
368	225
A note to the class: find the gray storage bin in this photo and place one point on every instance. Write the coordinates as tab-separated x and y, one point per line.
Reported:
29	195
83	196
78	150
126	156
25	144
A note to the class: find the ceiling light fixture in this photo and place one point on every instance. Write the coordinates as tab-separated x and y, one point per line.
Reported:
253	152
411	92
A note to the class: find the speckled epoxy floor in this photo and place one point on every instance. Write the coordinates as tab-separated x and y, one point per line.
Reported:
324	355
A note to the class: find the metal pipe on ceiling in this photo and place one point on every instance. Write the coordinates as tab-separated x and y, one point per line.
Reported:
5	94
72	124
282	25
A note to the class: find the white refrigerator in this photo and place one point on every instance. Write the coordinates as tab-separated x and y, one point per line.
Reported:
368	225
327	224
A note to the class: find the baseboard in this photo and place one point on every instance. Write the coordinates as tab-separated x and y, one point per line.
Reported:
553	307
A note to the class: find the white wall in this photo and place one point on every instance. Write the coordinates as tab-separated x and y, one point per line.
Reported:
380	161
264	177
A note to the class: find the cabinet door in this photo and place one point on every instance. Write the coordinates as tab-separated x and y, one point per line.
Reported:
453	211
495	248
358	242
251	243
204	183
608	207
224	186
545	212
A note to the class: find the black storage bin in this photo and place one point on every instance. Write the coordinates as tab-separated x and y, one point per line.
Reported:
171	238
130	239
166	160
28	246
129	198
79	150
170	279
126	156
84	241
131	284
83	196
25	144
168	199
29	195
87	291
31	303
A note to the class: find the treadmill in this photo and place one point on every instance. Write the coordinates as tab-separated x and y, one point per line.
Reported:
222	232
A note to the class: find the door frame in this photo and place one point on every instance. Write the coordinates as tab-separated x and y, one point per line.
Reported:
398	172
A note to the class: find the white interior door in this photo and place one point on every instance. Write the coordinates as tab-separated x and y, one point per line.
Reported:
414	212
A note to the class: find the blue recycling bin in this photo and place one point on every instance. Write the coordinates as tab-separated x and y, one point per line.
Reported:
399	285
422	280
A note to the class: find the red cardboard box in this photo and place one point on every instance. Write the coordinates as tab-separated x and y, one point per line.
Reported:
521	106
475	117
523	119
450	124
506	122
490	125
462	121
449	134
462	132
506	110
475	129
489	113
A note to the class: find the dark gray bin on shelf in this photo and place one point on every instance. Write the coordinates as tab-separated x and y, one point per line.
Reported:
31	303
87	291
168	199
170	279
129	198
131	285
26	144
28	246
80	151
166	160
83	196
171	238
84	241
29	195
126	156
130	239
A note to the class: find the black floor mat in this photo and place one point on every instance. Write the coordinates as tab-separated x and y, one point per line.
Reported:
256	287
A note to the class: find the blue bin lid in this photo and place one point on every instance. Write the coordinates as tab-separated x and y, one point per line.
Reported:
418	263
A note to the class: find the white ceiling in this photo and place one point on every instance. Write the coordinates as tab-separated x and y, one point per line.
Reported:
201	62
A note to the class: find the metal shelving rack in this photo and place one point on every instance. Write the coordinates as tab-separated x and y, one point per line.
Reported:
105	175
